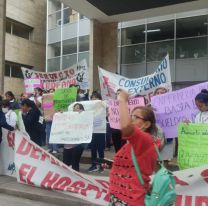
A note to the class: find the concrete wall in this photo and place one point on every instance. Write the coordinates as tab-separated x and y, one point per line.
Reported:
27	52
2	42
103	49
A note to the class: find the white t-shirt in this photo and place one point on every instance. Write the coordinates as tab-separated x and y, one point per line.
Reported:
201	117
11	118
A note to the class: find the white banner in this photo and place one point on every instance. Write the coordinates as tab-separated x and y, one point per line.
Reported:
72	128
98	108
76	75
110	82
36	167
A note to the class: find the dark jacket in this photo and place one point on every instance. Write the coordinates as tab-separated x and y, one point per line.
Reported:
4	124
32	125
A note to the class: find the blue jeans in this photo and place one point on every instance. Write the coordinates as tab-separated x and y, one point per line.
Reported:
52	147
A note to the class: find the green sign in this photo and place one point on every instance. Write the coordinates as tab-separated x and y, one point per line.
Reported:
192	145
64	97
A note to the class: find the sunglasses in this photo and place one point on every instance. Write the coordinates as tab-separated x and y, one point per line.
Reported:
135	117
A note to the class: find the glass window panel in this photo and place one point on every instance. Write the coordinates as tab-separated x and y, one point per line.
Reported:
54	64
70	46
156	51
192	26
191	48
84	43
133	54
53	6
160	31
84	55
54	50
21	30
69	60
16	71
133	35
54	20
8	26
67	13
7	70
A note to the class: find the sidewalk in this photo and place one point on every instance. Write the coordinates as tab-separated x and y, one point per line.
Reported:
9	186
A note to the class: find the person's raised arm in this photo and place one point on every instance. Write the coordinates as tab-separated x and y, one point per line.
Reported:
125	120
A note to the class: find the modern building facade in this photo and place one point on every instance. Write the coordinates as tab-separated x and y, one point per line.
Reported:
67	36
143	43
24	40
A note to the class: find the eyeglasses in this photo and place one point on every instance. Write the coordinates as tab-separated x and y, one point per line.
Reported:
135	117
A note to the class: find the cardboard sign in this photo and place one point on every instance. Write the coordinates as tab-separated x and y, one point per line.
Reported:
75	75
110	82
113	110
64	97
48	106
31	84
176	107
98	108
72	128
192	145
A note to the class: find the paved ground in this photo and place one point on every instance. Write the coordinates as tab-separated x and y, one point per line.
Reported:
8	200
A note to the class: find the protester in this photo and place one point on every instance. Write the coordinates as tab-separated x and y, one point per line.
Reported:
22	97
52	148
11	116
160	90
72	153
13	102
118	142
97	144
82	95
201	101
32	120
125	187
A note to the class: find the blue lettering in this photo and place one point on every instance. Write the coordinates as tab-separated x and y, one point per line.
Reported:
121	83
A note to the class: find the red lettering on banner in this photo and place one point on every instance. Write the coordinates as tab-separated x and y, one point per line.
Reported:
204	174
105	184
60	75
11	139
180	182
51	76
49	180
44	156
62	183
188	200
178	200
35	153
201	201
46	76
71	71
76	186
37	75
26	173
92	187
41	75
24	147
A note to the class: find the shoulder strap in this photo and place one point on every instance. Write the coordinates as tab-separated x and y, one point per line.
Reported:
136	166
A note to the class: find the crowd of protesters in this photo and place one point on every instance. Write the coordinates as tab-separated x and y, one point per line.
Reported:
138	131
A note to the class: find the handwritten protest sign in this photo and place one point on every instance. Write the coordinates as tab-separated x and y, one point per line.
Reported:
48	106
72	128
64	97
75	75
98	108
110	82
31	84
192	145
176	107
114	111
36	167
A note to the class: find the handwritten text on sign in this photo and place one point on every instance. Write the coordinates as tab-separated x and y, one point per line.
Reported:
76	75
192	145
110	82
174	107
114	110
64	97
72	128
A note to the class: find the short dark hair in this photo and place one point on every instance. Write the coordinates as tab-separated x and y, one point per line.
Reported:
202	96
6	103
28	102
81	107
9	93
